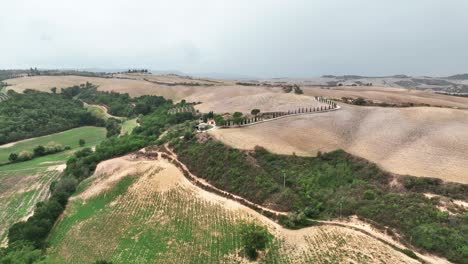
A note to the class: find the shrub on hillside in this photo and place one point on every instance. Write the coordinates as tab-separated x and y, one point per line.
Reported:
25	155
254	238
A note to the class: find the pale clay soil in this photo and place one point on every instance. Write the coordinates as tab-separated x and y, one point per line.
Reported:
160	176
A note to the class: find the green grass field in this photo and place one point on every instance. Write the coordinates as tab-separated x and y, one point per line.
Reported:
92	136
128	126
96	111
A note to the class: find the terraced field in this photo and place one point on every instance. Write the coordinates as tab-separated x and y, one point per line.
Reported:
135	223
19	193
145	211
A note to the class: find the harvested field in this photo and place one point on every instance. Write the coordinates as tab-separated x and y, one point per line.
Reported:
227	100
389	95
136	210
419	141
134	87
235	97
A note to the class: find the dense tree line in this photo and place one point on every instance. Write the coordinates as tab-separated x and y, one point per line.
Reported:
34	113
118	104
333	185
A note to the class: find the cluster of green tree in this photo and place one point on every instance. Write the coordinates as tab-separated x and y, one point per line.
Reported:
138	71
435	186
34	72
7	74
248	84
113	127
34	113
118	104
290	88
331	185
254	238
38	151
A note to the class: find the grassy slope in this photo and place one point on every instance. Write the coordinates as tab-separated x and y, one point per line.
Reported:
92	136
125	227
128	126
96	111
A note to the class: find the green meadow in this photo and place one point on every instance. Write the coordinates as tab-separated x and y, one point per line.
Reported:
128	126
91	135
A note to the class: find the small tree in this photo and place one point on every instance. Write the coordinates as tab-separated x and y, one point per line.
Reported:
54	90
82	142
255	112
359	101
39	151
13	157
254	238
369	195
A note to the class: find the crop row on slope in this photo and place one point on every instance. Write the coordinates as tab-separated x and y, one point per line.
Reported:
20	193
136	221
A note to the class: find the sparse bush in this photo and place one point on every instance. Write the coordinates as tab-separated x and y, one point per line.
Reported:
409	253
359	101
25	155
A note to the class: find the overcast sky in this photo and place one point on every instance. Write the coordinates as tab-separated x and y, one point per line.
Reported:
261	38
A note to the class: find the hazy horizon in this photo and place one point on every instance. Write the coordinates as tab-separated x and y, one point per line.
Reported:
261	39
